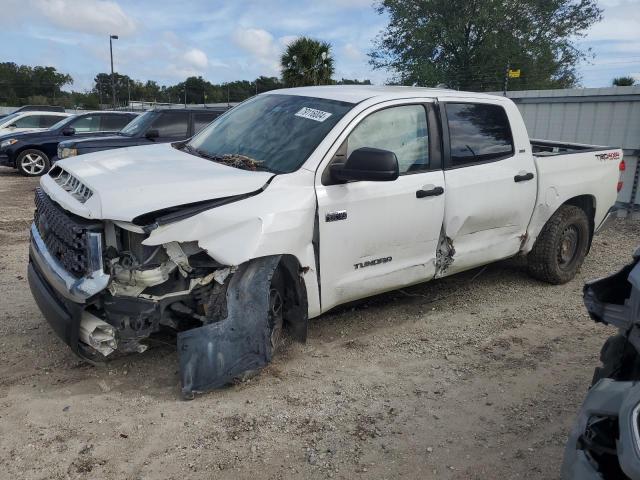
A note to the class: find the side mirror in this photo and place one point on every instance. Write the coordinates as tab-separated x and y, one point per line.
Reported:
13	125
372	164
152	133
68	131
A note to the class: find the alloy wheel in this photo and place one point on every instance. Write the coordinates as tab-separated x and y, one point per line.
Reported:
32	163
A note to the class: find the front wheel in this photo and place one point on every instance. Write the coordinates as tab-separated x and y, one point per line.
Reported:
33	163
561	246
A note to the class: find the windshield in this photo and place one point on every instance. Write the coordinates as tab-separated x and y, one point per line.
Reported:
275	132
8	119
138	124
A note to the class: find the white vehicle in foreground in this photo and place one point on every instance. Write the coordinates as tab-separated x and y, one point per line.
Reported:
29	121
297	201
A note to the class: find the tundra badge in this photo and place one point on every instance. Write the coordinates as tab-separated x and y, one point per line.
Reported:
335	216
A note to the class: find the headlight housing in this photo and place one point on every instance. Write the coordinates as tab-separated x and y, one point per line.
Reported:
67	152
8	143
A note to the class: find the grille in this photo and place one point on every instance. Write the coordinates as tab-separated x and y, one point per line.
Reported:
71	184
65	236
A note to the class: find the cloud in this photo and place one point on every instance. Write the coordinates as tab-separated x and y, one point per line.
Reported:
196	58
255	41
262	47
89	16
351	52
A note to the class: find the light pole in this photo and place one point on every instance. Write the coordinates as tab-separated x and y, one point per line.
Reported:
113	80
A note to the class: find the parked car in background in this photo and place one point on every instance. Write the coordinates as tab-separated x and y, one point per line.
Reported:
604	443
33	152
30	121
36	108
297	201
155	126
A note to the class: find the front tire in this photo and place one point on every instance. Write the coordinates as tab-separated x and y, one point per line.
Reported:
33	163
561	246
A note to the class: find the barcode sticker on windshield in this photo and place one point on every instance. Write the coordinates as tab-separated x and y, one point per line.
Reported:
313	114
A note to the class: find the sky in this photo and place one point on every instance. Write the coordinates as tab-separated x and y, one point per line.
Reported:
168	40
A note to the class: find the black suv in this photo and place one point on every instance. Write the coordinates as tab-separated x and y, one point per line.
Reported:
155	126
32	152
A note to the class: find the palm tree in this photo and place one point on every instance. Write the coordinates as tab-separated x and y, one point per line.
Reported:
307	62
624	82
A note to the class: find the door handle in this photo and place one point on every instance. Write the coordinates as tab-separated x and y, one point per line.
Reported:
434	192
523	177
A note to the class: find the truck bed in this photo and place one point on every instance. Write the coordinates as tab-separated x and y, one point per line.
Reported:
548	148
567	171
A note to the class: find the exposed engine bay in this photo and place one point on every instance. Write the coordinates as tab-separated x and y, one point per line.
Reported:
228	319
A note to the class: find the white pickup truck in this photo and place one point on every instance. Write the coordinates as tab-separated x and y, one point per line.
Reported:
297	201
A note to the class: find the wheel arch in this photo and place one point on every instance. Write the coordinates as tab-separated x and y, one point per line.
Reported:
296	302
587	203
545	211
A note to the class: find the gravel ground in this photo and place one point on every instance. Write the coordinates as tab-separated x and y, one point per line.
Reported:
477	376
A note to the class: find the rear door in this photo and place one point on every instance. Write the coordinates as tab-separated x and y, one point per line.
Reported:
490	182
377	236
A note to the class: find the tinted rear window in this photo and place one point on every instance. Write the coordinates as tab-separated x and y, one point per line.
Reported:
114	123
172	124
47	121
478	132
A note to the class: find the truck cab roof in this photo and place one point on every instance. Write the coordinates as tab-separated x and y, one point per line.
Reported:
359	93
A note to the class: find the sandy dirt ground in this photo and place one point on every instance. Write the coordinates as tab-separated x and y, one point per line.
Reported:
477	376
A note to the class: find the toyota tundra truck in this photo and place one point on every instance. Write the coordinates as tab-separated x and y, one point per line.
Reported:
295	202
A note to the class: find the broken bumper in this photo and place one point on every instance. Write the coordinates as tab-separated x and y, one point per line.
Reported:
606	399
75	289
60	296
63	315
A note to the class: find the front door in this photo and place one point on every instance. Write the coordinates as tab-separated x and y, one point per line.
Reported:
378	236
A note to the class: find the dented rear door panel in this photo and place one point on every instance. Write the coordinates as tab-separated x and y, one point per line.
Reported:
487	207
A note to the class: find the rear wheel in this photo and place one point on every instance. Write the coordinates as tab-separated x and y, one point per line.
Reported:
32	163
561	247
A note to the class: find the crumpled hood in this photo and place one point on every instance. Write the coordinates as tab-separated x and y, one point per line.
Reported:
132	181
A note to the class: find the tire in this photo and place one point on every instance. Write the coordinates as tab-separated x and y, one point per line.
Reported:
217	307
561	246
33	163
276	310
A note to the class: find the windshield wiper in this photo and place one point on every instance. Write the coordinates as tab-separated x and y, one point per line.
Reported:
231	160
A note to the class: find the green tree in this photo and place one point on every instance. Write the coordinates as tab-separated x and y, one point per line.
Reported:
624	82
264	84
306	61
468	44
20	82
347	81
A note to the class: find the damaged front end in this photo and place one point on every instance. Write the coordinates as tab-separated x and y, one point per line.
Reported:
105	294
605	440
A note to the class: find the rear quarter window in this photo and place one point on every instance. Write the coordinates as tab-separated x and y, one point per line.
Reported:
478	133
